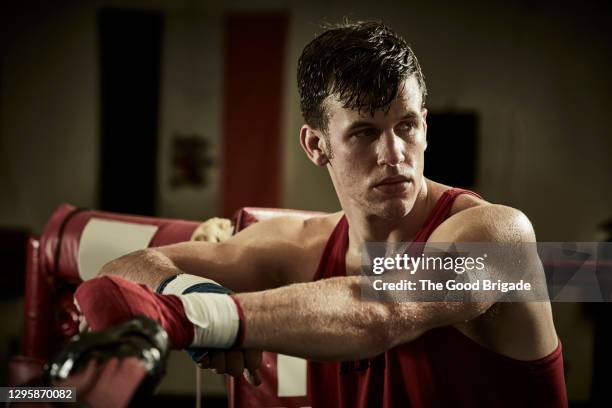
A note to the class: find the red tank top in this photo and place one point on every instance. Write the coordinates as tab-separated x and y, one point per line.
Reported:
442	368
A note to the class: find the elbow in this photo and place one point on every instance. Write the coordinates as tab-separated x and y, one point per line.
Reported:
120	266
142	266
110	268
384	329
146	266
399	326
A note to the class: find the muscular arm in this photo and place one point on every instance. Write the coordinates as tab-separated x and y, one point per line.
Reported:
327	320
254	259
324	320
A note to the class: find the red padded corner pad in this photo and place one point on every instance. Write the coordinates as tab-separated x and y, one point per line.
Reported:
52	274
38	313
60	240
38	335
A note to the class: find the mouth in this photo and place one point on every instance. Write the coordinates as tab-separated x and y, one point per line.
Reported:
394	185
393	180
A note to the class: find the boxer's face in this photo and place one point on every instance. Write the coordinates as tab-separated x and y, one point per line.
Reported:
376	163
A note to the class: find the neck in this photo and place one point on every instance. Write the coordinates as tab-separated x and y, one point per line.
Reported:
371	228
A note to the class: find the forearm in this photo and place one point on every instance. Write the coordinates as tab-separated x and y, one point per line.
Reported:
148	267
328	320
228	264
324	320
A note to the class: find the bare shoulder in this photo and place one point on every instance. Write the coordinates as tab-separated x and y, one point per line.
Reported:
505	326
474	219
288	228
321	226
293	244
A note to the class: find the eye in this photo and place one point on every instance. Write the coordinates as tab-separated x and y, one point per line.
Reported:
407	126
365	132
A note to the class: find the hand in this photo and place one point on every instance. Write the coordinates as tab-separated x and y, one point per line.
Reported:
235	363
213	230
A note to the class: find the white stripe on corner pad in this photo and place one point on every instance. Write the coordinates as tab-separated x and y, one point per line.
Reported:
291	375
104	240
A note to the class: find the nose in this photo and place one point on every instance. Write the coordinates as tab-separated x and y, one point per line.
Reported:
390	150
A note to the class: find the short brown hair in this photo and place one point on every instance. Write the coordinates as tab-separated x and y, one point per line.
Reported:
362	63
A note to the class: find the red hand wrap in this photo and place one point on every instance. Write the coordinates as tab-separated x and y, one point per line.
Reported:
110	300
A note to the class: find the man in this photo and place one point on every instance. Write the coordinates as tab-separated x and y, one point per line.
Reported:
296	285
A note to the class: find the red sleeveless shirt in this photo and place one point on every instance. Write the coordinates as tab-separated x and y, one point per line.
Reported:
442	368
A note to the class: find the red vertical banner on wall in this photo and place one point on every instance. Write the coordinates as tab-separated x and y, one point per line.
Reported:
254	48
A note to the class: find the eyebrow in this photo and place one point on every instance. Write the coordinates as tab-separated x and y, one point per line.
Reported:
365	124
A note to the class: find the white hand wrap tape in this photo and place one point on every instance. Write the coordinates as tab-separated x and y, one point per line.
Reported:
214	315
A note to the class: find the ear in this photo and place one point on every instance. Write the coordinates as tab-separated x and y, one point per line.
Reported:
313	144
424	113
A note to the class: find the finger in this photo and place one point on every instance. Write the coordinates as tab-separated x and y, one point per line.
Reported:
217	362
252	359
234	363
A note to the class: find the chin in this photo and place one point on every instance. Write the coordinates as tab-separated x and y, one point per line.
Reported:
394	210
